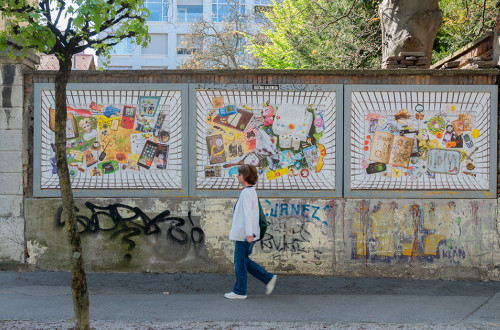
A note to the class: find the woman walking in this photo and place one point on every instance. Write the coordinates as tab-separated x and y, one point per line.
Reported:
244	230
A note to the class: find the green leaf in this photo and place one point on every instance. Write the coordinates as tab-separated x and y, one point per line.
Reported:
91	25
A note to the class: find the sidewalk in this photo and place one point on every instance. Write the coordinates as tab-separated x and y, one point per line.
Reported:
42	300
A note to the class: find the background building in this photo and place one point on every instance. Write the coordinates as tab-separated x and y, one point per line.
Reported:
168	25
79	62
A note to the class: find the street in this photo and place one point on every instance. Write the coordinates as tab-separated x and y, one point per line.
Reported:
42	300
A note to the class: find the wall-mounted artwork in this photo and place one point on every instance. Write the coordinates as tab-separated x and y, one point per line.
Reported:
116	139
288	135
420	140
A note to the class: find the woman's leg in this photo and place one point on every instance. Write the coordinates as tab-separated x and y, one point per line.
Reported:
240	267
257	270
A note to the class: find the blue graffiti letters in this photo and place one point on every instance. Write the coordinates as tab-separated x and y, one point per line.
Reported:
306	211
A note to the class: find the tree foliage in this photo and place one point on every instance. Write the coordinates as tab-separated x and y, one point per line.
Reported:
325	34
321	34
463	22
98	24
94	24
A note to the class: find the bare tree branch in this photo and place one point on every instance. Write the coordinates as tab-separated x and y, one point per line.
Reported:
347	14
482	16
14	45
220	44
305	40
61	10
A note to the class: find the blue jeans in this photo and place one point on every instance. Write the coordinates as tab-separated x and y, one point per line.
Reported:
243	264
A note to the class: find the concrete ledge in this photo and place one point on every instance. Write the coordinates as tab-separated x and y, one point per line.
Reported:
14	266
279	77
273	72
28	60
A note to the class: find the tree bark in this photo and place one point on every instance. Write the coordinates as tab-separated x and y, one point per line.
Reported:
409	26
78	278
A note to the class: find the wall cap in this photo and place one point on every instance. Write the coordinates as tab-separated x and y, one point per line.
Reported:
266	72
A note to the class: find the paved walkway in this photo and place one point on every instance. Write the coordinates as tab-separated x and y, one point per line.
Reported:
42	300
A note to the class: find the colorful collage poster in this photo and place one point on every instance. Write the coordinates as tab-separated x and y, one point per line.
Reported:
420	141
283	138
120	142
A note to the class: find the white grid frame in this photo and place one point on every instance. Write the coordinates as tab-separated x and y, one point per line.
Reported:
387	101
315	183
121	182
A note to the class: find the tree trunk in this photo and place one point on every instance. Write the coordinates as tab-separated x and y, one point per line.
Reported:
78	279
409	26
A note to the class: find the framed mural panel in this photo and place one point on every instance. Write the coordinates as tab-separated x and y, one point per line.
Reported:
421	141
122	139
289	132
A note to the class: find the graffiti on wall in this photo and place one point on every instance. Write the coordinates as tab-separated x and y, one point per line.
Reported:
296	229
288	135
420	140
128	222
306	211
385	232
121	139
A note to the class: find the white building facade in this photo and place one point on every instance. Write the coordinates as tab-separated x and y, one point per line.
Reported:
168	24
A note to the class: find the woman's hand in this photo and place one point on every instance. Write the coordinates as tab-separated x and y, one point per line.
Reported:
250	239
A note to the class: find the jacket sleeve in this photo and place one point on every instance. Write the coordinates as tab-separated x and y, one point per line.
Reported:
248	209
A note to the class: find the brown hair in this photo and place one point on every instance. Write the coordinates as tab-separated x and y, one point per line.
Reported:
249	173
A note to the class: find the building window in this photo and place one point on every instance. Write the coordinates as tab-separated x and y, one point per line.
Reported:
182	47
223	11
157	46
119	68
158	10
124	47
262	6
186	14
154	67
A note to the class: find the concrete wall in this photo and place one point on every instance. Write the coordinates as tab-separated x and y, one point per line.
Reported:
446	239
13	157
418	238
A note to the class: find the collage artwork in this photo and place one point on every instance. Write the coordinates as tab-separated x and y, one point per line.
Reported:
282	140
398	140
439	146
111	140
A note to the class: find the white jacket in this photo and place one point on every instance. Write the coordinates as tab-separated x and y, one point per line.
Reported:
246	216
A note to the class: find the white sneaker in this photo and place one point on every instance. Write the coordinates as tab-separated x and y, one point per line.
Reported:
270	285
232	295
